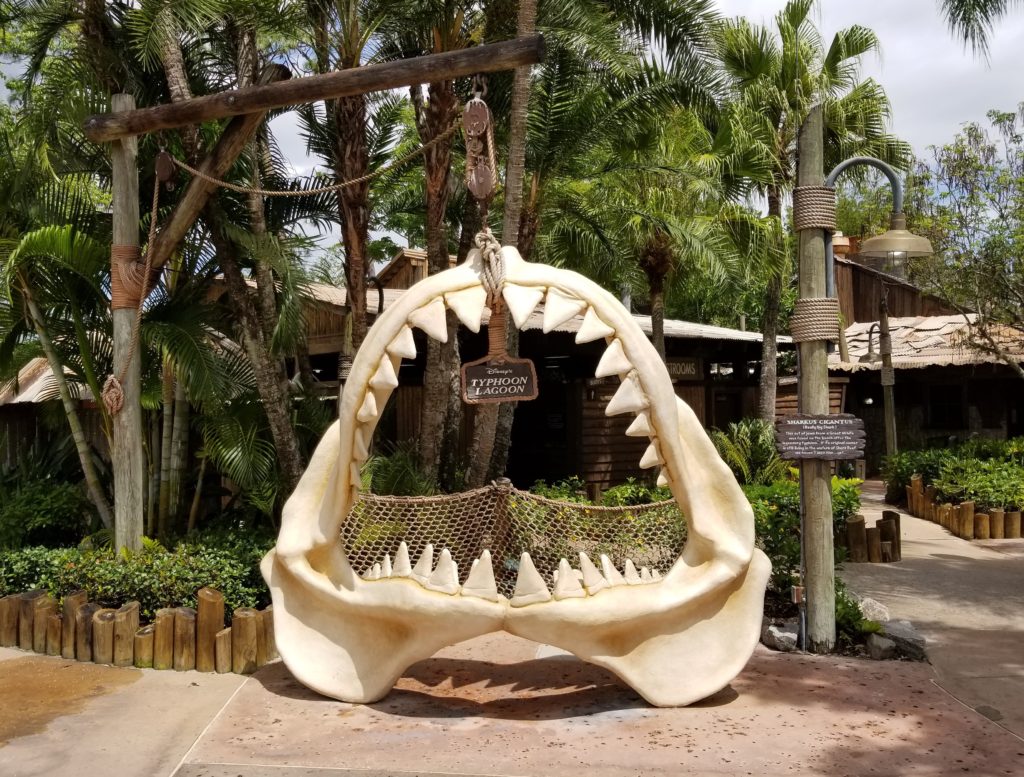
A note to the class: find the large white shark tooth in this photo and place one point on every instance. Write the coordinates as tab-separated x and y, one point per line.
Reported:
424	565
628	399
641	426
480	582
592	328
368	410
404	344
613	361
662	478
567	586
360	445
522	301
468	305
630	573
593	580
530	587
445	577
385	377
611	574
645	575
402	567
432	319
559	308
651	457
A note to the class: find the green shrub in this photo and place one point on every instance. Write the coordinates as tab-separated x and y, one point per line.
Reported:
634	493
932	463
851	625
748	448
156	578
396	472
989	484
571	489
44	512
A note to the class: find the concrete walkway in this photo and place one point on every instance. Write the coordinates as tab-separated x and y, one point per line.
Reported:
966	599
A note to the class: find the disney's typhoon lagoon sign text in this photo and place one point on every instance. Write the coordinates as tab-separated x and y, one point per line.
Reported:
505	380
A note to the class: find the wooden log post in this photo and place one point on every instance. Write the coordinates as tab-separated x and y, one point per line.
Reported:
910	499
997	524
944	512
69	607
126	452
929	503
143	647
126	624
163	638
222	651
184	639
954	520
103	636
27	618
917	490
209	621
10	607
1013	525
897	542
874	545
887	534
45	606
857	539
887	556
54	629
268	631
245	622
981	526
83	630
967	520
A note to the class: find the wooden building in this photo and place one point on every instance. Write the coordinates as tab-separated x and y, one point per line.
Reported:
859	289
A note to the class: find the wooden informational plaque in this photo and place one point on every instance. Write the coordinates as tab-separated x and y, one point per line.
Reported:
498	380
825	437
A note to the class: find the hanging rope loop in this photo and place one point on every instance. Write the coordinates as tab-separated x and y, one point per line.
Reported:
814	207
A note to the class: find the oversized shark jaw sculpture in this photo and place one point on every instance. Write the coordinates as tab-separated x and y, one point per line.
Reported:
675	638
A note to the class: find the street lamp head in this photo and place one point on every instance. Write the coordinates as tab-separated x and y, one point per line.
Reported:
897	244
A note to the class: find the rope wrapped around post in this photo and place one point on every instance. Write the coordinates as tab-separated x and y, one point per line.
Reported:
814	207
815	318
493	272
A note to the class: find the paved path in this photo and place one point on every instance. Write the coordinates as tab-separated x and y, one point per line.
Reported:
967	599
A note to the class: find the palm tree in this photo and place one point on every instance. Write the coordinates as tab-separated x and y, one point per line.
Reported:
775	76
974	20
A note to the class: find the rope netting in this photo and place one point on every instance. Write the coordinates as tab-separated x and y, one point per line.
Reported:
509	522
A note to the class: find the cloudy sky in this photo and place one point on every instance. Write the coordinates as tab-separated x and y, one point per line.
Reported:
935	85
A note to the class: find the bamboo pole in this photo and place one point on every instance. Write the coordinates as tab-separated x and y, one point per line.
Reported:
70	606
222	650
184	639
244	623
210	620
163	638
143	649
10	607
83	630
54	629
103	636
45	606
487	58
126	624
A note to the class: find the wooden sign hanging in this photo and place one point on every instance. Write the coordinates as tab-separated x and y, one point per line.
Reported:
825	437
498	380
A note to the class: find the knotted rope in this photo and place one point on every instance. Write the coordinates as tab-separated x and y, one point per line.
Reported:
814	207
815	318
492	273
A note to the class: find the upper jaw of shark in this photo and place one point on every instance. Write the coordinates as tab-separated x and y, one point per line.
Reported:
675	635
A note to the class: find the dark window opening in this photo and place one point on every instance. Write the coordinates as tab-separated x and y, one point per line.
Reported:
946	409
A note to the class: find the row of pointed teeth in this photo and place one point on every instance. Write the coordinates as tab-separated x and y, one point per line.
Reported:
468	304
567	582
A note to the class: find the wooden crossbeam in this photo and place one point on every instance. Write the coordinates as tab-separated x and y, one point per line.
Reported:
487	58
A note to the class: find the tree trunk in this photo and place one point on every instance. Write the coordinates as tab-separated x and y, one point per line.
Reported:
166	430
92	480
153	487
179	448
770	329
351	162
657	291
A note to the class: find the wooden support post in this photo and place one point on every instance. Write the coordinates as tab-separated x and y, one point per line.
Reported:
954	520
222	650
268	631
126	453
10	607
487	58
910	499
27	618
887	556
245	622
83	630
72	602
857	539
209	621
929	503
143	647
967	520
54	628
163	638
126	623
874	545
184	639
916	488
1013	525
103	636
897	546
997	524
981	526
45	606
887	534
